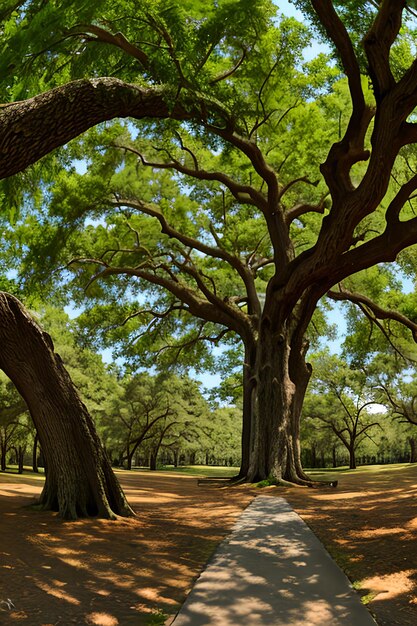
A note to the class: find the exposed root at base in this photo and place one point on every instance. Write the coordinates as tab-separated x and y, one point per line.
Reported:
318	484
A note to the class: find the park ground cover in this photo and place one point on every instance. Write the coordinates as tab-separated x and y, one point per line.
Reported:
139	571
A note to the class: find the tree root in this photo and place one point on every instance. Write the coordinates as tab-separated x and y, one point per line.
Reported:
318	484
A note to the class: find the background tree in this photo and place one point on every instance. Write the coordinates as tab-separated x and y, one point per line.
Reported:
339	399
151	412
319	445
14	424
395	386
223	437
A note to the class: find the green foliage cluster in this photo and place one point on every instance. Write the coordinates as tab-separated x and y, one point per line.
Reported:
75	217
370	409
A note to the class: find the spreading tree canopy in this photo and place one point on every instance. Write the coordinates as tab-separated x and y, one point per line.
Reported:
282	174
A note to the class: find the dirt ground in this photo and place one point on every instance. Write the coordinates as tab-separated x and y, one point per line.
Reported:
136	572
369	525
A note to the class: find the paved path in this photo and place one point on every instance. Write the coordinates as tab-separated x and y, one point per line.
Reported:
272	571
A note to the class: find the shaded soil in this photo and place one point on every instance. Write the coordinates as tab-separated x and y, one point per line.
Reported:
98	572
135	572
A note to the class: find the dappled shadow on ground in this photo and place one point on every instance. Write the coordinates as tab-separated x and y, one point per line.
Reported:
120	573
272	570
109	573
369	523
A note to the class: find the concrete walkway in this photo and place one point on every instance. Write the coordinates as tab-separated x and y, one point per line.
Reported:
272	571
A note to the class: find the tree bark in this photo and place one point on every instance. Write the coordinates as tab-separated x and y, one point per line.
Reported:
72	109
152	460
79	479
3	452
279	389
248	377
35	454
20	451
175	455
352	457
413	449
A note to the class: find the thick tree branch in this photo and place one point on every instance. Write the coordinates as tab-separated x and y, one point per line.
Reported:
190	242
245	194
401	197
338	34
104	36
378	42
350	149
379	312
228	316
380	249
230	71
71	110
77	106
301	209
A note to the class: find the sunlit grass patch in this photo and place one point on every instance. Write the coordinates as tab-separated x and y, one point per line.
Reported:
201	471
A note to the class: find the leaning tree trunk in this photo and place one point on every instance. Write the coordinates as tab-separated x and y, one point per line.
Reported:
79	478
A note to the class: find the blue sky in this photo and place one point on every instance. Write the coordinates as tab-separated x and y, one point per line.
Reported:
288	8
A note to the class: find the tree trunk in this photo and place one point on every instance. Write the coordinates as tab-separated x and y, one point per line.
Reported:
152	461
20	458
352	457
413	449
281	378
334	457
175	454
35	454
3	452
313	455
248	377
79	478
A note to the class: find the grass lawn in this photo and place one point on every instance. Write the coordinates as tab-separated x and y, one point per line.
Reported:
203	471
333	473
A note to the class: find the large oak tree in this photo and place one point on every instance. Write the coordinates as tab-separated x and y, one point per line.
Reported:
201	65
